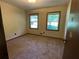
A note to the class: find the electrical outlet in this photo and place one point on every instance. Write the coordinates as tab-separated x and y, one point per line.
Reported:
43	32
14	33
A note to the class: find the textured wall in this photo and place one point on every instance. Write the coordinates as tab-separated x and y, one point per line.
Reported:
42	21
14	20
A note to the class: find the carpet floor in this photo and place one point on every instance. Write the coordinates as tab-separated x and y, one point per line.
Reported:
35	47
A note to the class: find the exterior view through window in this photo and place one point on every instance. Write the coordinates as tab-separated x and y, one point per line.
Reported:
34	21
53	20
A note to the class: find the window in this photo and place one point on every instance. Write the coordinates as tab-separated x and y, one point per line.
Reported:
53	21
34	21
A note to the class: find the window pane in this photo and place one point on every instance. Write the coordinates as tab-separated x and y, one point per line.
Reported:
53	20
34	21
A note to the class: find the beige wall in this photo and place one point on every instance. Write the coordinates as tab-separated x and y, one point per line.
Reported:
42	21
14	20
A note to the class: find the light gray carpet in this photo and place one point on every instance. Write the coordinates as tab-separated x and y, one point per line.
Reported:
35	47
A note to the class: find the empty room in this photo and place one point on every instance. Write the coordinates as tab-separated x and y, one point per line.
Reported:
39	29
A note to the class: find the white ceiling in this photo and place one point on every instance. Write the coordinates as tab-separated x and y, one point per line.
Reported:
39	3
